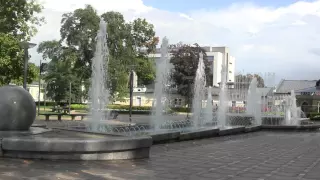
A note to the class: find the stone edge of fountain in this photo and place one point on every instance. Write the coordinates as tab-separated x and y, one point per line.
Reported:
115	146
51	148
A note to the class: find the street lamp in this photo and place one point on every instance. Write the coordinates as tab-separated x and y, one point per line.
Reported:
189	78
26	46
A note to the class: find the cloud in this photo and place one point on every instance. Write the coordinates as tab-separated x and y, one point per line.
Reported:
262	39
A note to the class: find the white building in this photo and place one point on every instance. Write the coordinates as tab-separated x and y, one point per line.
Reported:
216	57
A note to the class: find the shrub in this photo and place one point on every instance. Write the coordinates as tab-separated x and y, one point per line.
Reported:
79	107
48	103
181	109
314	116
111	106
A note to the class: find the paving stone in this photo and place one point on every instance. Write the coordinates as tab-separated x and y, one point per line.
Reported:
252	156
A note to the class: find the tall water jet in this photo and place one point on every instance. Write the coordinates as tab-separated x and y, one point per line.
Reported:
198	92
292	112
223	99
161	83
208	112
251	98
99	94
294	108
254	102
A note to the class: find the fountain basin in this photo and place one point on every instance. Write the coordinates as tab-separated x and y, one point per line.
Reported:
312	127
164	136
252	129
74	145
199	134
231	130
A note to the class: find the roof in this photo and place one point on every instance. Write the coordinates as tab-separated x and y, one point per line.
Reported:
265	91
285	86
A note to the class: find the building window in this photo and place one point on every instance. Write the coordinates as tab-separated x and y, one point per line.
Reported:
210	58
233	103
178	101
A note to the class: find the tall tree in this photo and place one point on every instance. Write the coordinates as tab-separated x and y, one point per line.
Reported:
18	18
243	81
60	71
18	21
185	61
11	62
125	39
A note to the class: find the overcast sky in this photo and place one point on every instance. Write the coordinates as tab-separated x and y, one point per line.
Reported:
263	35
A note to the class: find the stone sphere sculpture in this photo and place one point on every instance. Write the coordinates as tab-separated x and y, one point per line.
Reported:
17	109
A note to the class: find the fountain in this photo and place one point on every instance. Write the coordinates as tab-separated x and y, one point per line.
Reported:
208	112
18	112
160	93
223	100
292	112
198	93
98	93
253	102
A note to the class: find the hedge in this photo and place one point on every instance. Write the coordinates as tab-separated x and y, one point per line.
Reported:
49	103
181	109
126	107
314	116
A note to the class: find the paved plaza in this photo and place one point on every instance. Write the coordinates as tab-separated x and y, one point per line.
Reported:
259	156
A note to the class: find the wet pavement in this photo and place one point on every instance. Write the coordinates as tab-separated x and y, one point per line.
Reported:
252	156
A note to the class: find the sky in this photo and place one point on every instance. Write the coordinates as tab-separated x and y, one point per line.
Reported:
264	36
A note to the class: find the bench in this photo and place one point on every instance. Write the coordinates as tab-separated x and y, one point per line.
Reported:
113	114
60	109
47	116
73	116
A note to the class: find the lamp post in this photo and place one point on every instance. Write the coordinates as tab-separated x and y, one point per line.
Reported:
26	46
189	91
39	87
131	92
131	96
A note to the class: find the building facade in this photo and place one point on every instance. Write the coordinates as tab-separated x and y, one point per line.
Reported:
217	56
307	93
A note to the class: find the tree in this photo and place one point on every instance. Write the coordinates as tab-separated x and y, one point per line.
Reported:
60	71
145	70
18	23
243	81
79	30
11	62
18	18
185	61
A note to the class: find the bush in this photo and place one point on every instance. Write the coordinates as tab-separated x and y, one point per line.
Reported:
111	106
79	107
127	107
181	109
314	116
49	103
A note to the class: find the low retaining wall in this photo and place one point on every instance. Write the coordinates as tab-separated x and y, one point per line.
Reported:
74	145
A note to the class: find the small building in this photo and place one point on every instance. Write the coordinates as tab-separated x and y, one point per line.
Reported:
33	89
307	93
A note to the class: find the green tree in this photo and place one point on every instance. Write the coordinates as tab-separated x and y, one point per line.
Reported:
18	18
60	71
18	21
185	61
243	81
145	70
125	40
11	62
